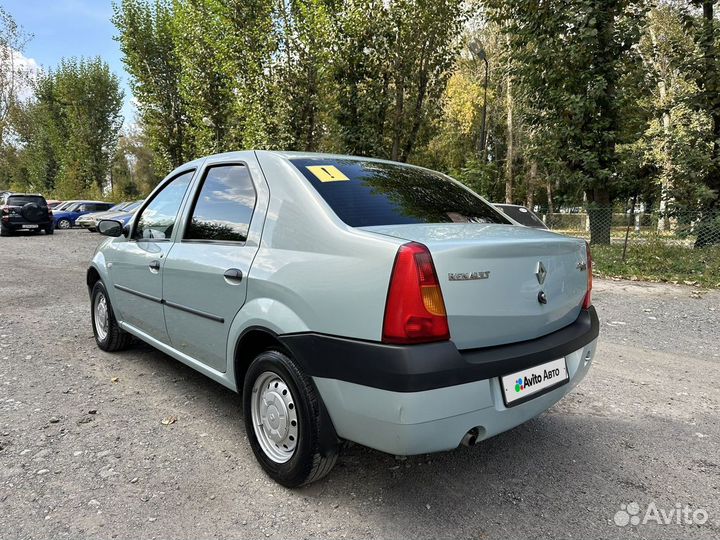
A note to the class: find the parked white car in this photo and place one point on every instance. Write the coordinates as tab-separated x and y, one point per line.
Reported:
348	298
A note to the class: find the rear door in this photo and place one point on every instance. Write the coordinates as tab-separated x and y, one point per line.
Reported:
206	272
135	265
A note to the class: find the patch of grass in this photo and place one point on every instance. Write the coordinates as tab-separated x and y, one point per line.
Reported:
660	262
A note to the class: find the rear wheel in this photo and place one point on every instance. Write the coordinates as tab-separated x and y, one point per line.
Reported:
108	334
5	231
63	224
284	422
49	229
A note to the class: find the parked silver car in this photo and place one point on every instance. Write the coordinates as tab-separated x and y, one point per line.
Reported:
524	216
90	221
348	298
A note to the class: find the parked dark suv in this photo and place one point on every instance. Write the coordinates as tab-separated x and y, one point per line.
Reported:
24	212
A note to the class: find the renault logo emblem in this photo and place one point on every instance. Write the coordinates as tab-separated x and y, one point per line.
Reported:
540	272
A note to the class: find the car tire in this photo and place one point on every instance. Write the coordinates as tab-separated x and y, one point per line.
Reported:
50	230
63	224
5	231
275	378
108	334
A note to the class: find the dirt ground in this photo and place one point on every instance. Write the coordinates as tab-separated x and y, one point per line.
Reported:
84	452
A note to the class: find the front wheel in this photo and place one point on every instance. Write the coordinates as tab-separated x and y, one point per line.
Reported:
108	334
63	224
284	421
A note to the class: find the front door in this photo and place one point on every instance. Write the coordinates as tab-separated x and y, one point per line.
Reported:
206	272
135	265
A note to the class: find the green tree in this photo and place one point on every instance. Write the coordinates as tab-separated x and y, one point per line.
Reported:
13	75
225	49
133	167
575	100
147	41
71	128
304	78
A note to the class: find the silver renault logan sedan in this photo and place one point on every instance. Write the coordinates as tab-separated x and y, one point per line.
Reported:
348	299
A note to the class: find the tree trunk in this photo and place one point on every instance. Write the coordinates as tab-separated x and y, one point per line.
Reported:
666	182
551	206
709	228
417	115
532	179
509	156
666	185
600	214
605	117
398	119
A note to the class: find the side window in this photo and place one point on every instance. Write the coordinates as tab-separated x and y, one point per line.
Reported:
157	219
224	205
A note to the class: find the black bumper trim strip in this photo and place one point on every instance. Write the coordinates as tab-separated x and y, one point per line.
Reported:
416	368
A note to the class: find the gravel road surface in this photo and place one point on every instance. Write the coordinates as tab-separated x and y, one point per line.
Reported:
84	451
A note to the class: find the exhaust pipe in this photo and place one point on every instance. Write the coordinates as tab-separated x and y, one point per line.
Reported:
470	438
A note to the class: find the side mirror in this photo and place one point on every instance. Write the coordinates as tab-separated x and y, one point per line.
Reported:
110	227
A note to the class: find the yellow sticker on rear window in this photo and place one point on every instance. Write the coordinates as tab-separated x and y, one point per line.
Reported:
327	173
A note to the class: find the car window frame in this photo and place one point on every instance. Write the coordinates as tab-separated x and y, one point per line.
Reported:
159	189
197	189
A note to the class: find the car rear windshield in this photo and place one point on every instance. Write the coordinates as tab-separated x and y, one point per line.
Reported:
369	193
22	200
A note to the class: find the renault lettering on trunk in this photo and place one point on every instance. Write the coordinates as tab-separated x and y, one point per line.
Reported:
468	276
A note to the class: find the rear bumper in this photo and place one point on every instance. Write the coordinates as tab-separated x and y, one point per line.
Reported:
23	225
424	398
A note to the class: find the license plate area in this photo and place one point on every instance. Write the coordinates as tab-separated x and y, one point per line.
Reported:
28	226
532	382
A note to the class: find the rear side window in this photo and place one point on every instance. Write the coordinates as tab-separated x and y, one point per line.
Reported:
224	206
368	193
22	200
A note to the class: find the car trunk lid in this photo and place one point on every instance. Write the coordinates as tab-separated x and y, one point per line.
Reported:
494	279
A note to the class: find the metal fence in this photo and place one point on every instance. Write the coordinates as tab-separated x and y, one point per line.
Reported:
683	227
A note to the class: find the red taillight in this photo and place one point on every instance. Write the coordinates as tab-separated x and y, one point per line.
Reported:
415	310
588	295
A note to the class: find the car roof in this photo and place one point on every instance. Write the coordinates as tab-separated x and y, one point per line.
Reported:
13	194
286	154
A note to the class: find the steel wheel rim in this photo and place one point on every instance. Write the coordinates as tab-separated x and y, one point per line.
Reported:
274	417
63	224
101	316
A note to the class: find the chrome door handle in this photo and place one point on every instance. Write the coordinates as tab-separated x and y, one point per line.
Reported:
154	266
233	274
